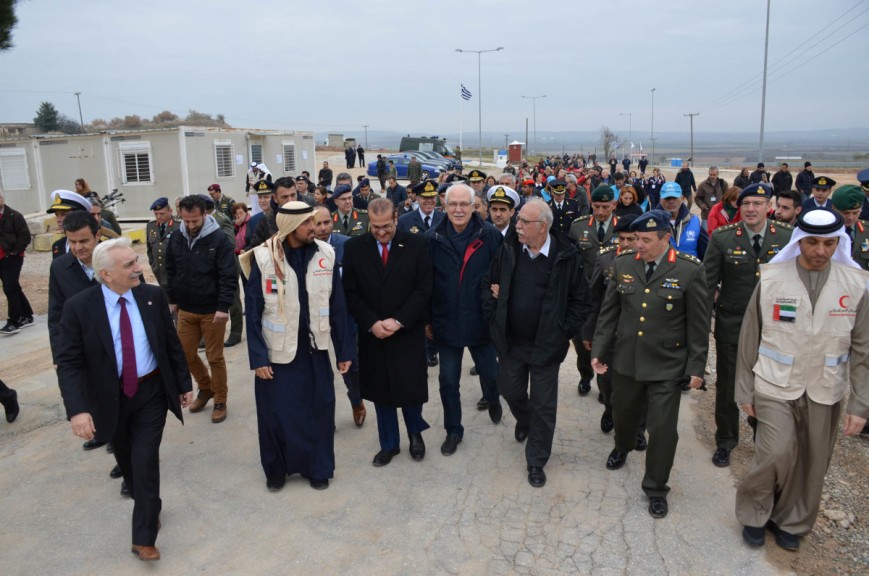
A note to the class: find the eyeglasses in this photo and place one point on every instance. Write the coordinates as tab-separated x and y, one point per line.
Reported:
385	228
454	205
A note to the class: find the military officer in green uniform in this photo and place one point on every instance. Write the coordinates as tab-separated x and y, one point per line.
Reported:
222	202
347	220
591	234
157	232
848	201
733	260
655	314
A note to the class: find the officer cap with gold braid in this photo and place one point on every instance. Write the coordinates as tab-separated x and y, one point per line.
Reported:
476	175
427	189
558	186
503	195
66	201
652	221
264	187
823	182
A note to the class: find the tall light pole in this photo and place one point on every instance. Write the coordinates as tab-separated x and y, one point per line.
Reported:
653	125
80	117
691	116
365	126
534	106
479	54
763	98
630	131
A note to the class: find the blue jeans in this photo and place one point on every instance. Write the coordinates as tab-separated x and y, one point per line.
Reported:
450	374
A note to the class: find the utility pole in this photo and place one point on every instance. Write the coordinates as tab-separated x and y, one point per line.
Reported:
630	132
534	107
763	97
653	126
365	126
691	116
80	117
525	148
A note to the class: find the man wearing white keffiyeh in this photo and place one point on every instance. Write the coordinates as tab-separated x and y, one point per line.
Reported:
804	340
294	304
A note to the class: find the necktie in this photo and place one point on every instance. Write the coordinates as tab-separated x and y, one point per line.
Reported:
601	232
384	255
650	269
427	222
128	352
756	244
346	223
162	231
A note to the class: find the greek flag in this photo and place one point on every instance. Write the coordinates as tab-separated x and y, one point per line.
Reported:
466	94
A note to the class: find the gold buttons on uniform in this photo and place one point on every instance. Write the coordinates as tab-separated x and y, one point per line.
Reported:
647	290
644	304
642	318
640	333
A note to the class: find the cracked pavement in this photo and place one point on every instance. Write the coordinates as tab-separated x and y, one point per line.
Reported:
470	513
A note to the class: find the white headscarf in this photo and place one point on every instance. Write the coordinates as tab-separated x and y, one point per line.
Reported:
818	217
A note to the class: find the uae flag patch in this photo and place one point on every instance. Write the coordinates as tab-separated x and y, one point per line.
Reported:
784	313
271	285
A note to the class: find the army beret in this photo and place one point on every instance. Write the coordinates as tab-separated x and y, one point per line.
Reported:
214	187
848	197
504	195
426	189
757	189
476	175
823	182
160	203
623	224
602	193
818	222
557	186
341	190
863	176
651	221
264	187
209	202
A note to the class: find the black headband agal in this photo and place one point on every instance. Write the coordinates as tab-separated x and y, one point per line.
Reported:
296	211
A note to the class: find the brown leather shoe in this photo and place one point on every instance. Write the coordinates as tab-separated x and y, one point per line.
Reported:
201	400
219	413
359	414
146	553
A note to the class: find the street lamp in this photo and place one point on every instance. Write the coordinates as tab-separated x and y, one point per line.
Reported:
534	106
365	127
80	117
653	126
480	92
630	131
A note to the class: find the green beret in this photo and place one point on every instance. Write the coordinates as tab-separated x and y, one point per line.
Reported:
602	193
848	197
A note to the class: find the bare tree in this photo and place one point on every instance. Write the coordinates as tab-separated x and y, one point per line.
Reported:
609	141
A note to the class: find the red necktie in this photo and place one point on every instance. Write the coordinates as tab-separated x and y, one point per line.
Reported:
384	256
129	375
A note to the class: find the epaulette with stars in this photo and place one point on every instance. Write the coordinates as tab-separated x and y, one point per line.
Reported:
689	257
782	225
726	227
609	248
626	252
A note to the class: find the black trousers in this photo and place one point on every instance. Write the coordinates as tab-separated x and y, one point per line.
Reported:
10	273
583	360
137	451
726	410
662	416
6	392
536	411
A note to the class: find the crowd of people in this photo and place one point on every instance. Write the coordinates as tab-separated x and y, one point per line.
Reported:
513	268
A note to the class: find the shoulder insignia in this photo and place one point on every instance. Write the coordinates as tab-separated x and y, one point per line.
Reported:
671	255
362	211
782	225
609	248
689	258
860	227
726	227
591	221
627	251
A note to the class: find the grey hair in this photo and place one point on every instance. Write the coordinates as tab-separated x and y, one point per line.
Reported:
510	176
456	187
711	168
102	260
545	211
570	178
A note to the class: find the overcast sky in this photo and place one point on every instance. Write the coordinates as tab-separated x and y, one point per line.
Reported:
333	66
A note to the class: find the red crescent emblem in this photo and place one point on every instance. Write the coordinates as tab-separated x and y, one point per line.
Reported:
322	263
842	301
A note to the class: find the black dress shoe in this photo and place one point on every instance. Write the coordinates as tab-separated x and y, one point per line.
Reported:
384	457
125	490
657	506
606	423
520	432
536	476
432	360
417	447
496	411
11	407
482	404
110	448
616	460
231	341
91	444
753	536
474	371
785	540
721	458
641	444
277	482
319	484
116	472
450	444
584	386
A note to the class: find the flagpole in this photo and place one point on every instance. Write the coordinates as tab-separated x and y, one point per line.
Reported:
461	109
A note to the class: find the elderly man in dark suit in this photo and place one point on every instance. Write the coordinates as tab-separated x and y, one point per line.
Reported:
119	386
388	282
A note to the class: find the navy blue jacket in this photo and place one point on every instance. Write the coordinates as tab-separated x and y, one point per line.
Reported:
456	304
407	222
